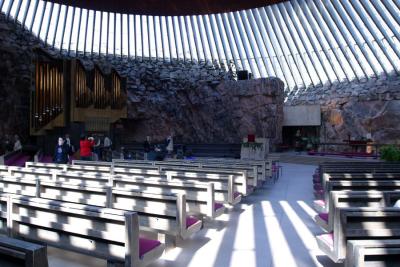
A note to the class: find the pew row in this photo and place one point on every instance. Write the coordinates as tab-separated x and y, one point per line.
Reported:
362	185
161	213
262	168
378	253
347	199
108	234
228	188
14	252
225	190
126	168
359	224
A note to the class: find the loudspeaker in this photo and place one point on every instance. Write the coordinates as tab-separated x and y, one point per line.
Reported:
243	75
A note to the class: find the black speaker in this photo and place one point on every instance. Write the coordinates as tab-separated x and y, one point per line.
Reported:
243	75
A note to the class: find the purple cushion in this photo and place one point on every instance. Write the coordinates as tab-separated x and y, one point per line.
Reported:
146	245
315	176
236	195
190	221
217	206
319	191
10	161
324	216
319	202
328	238
318	187
46	159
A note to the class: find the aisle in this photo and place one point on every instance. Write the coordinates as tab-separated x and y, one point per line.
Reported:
271	228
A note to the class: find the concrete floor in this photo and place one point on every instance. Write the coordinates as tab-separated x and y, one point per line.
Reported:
271	228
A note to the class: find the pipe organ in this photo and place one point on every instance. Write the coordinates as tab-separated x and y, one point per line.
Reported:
47	101
118	99
66	90
82	92
100	92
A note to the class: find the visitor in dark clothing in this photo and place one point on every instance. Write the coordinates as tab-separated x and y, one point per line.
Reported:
61	152
147	147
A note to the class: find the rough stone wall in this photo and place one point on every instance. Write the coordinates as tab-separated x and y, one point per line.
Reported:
199	102
15	80
356	108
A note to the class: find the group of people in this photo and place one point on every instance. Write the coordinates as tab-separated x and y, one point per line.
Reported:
158	150
90	148
10	143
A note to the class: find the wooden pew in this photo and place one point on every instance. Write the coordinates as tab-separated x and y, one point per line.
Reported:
109	234
252	172
380	253
346	199
158	212
14	252
197	201
152	169
263	167
359	224
322	191
200	197
204	175
364	185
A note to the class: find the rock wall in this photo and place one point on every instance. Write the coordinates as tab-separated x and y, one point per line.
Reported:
200	102
356	109
15	81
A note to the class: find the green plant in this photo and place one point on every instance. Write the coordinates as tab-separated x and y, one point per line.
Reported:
390	153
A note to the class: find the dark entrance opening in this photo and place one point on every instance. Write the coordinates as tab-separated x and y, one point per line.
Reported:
300	137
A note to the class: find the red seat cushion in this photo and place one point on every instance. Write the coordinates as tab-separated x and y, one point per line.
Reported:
324	216
217	206
190	221
146	245
236	195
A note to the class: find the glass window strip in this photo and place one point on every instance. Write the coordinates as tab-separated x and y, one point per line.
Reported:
253	45
260	45
72	29
18	10
379	27
231	43
34	15
295	46
351	39
325	71
56	25
203	39
319	77
328	42
353	16
331	28
46	36
292	81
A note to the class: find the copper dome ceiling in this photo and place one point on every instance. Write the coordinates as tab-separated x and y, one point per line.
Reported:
168	7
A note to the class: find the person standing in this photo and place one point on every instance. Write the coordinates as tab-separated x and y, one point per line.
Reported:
61	153
170	146
17	143
107	143
147	147
86	146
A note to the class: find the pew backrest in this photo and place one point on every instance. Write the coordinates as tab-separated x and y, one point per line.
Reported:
103	233
364	223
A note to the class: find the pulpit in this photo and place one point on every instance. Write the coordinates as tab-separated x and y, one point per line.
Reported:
257	150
